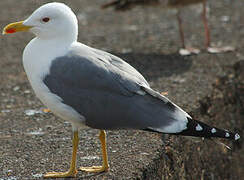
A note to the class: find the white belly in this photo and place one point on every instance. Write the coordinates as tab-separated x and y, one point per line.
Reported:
36	66
54	103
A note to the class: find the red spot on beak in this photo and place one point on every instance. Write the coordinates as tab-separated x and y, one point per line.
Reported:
10	30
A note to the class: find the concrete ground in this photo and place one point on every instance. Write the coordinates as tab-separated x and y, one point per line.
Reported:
147	38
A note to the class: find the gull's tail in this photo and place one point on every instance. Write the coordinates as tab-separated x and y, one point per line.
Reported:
170	119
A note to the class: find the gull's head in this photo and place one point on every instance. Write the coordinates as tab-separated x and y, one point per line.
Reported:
52	20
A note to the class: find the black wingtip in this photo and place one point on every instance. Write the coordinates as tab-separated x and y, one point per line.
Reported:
200	129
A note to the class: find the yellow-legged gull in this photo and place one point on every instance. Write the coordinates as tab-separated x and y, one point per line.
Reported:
90	87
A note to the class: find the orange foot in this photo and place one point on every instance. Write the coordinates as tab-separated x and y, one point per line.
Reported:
46	110
61	174
94	169
164	93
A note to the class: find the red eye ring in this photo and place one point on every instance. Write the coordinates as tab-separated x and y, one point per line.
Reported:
46	19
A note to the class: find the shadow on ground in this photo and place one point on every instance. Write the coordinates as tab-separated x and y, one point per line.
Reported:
155	66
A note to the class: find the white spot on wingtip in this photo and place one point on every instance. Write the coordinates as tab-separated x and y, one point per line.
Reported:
237	136
213	130
227	134
199	128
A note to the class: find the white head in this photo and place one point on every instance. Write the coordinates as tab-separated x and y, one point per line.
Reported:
50	21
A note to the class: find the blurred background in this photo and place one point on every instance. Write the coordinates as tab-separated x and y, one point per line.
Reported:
209	86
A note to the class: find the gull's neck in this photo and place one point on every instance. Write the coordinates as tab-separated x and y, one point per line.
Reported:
54	43
39	54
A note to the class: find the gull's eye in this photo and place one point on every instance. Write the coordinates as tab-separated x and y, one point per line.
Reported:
45	19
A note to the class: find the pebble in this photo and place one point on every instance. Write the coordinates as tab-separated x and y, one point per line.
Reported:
16	88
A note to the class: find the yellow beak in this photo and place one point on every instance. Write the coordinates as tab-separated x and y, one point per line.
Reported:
15	27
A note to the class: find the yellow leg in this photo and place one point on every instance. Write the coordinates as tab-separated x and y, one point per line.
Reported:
72	170
105	166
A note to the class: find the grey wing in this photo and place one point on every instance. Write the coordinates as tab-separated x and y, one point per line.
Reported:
122	66
111	97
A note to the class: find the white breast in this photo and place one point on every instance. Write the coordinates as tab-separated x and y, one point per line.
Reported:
37	59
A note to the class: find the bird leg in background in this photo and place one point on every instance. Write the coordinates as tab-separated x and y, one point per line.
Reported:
181	29
72	170
207	34
184	50
105	166
205	22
